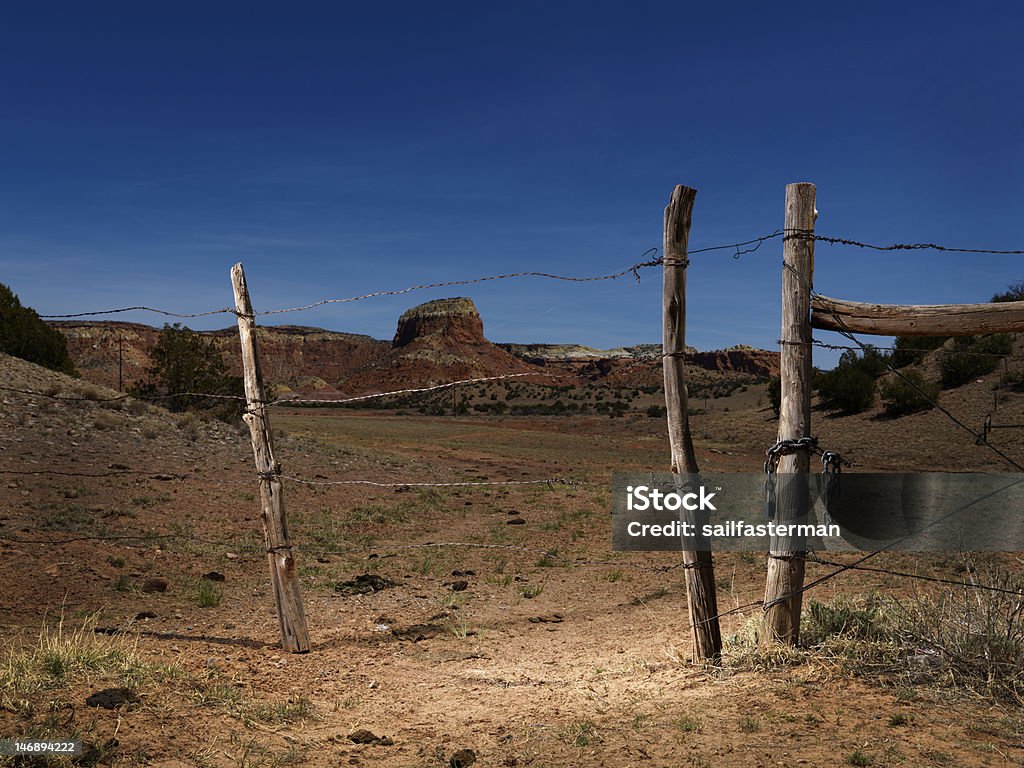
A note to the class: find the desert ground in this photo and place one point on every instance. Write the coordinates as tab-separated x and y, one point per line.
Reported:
502	630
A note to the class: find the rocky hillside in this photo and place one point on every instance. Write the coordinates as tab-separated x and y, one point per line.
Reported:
435	342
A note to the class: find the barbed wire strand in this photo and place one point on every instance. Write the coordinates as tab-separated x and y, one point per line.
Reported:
414	390
97	399
918	576
804	234
546	481
738	247
226	310
847	347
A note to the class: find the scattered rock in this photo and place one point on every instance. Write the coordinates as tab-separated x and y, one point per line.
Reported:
363	736
323	559
155	584
230	555
515	521
145	615
463	573
462	759
214	576
417	632
554	618
364	584
512	512
459	586
112	698
161	477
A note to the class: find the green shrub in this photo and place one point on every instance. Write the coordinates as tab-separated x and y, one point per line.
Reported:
185	366
23	334
847	389
908	350
909	394
1014	292
775	394
971	358
1014	382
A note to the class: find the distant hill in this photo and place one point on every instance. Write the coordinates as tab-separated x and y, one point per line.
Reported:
435	342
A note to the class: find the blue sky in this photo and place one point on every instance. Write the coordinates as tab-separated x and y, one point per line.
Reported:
337	149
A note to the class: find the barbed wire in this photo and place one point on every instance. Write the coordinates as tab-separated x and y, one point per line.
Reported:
740	249
226	310
633	270
757	242
413	390
455	484
98	399
805	234
813	558
846	347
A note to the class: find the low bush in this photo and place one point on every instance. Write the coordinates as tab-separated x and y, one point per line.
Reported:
847	389
908	394
970	358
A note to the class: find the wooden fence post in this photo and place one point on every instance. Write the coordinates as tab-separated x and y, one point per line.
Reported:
698	565
782	597
283	571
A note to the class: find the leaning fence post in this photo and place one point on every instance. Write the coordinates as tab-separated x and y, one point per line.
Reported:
699	569
283	571
783	597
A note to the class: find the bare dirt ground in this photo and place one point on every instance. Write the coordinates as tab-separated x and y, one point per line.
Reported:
484	644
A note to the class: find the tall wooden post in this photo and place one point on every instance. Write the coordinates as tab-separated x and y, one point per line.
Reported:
782	599
283	571
699	569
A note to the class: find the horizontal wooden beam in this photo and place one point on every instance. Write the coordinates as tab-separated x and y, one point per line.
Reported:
916	319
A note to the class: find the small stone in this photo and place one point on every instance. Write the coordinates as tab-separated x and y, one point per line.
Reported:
462	759
213	576
145	615
111	698
362	736
230	555
155	584
459	586
515	521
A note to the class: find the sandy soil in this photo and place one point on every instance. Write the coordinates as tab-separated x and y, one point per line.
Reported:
577	659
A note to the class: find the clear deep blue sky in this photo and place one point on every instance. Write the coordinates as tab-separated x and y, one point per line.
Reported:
337	149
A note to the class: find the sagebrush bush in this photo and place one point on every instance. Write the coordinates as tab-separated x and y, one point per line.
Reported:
908	350
775	394
847	389
909	394
970	358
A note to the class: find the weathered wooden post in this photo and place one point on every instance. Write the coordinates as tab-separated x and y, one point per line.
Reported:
782	597
283	571
699	568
